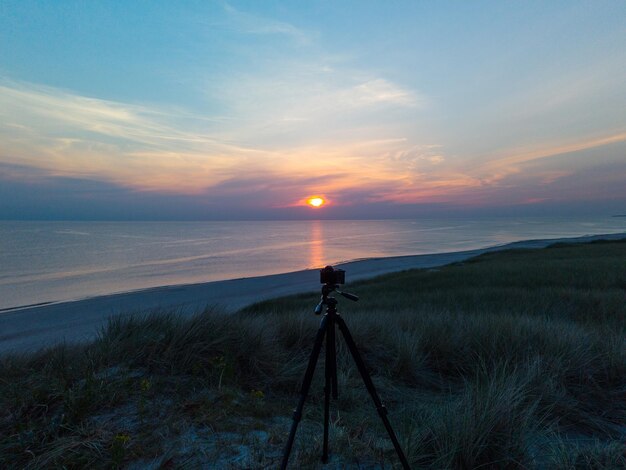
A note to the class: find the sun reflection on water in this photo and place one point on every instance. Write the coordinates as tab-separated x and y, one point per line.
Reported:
316	254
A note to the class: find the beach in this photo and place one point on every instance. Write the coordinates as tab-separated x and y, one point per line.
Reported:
31	328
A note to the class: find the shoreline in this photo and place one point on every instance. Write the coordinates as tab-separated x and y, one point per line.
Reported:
32	327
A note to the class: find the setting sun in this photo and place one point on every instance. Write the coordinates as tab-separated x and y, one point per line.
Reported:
315	202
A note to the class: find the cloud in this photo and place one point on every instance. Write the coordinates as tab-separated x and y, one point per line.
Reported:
156	148
383	91
153	149
247	23
135	145
60	110
547	93
496	169
306	99
333	142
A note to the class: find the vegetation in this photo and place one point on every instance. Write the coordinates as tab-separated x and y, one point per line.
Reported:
514	359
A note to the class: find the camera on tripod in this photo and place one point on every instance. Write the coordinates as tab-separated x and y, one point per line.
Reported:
332	276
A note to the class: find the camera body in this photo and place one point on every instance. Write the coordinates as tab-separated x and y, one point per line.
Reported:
332	276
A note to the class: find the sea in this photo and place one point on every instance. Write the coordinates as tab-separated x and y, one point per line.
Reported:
56	261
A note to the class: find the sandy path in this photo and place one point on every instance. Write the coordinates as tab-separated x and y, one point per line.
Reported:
35	327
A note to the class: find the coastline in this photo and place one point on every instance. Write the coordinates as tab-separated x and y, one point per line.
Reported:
32	327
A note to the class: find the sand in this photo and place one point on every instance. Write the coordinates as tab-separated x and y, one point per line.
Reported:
31	328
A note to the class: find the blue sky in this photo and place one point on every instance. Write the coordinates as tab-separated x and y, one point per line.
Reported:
203	110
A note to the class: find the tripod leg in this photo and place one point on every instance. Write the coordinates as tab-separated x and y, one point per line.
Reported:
328	370
382	411
306	384
332	351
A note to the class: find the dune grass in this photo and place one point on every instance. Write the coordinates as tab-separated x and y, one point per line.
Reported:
514	359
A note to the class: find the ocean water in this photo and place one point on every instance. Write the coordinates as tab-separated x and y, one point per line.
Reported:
55	261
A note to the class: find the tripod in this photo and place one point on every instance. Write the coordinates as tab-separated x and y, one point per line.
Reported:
327	329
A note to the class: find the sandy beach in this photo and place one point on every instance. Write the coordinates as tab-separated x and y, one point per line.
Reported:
30	328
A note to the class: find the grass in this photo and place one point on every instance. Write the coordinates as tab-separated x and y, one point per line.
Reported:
513	359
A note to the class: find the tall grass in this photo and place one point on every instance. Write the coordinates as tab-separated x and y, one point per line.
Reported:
511	360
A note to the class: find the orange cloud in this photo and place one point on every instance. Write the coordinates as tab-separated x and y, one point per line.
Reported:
501	167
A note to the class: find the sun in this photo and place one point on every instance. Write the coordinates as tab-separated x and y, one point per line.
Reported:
315	201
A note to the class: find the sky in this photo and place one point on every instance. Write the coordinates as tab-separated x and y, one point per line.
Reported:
243	110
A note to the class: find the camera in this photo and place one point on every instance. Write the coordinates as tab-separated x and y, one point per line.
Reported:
330	275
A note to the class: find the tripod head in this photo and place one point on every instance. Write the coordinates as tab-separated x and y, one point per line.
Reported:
331	279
